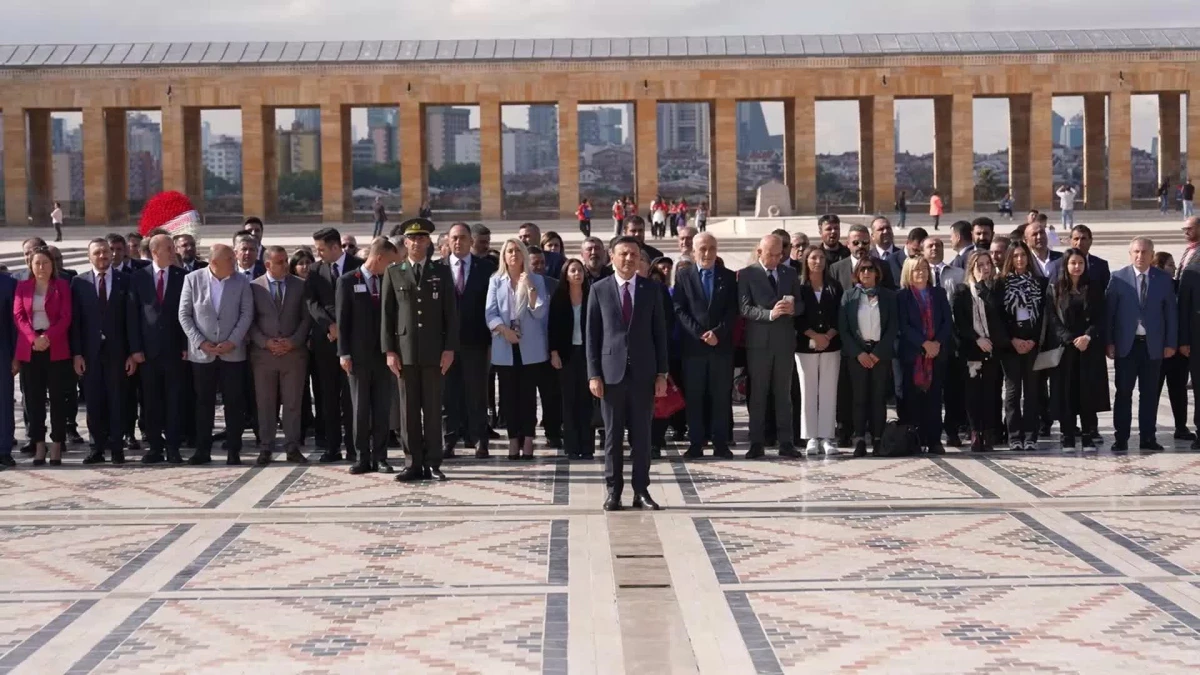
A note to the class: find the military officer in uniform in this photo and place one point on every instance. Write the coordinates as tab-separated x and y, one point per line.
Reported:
420	336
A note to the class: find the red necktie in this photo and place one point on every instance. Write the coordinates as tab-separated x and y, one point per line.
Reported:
103	294
161	287
626	305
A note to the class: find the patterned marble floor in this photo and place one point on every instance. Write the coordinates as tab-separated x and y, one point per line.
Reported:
1045	562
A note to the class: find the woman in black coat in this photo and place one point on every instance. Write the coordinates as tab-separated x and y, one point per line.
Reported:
868	324
1079	385
980	328
1023	297
566	338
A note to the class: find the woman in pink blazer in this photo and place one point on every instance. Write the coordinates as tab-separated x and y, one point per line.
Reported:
42	312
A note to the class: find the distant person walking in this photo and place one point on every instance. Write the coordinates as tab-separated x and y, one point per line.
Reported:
56	218
1163	194
584	215
380	218
618	216
936	208
902	209
1066	202
1189	199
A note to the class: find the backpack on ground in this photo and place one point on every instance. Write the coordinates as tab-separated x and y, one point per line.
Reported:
898	440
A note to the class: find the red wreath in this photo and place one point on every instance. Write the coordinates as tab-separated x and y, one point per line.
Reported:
162	209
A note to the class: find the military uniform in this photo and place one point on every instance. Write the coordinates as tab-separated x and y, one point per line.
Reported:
420	321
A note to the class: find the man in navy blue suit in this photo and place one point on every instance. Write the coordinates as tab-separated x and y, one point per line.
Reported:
8	339
99	341
1141	324
1097	267
627	367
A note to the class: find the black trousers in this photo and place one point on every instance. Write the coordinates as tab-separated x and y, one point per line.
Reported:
1136	368
228	377
464	397
187	405
924	407
980	395
423	415
706	390
518	396
372	387
105	385
1021	400
550	394
955	393
165	411
42	377
627	405
336	411
578	404
1175	371
585	227
868	394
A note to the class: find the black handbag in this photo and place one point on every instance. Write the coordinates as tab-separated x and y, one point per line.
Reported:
898	440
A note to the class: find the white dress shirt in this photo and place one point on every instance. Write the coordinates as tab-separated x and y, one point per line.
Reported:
869	323
215	288
455	262
1042	264
108	275
621	284
341	266
272	282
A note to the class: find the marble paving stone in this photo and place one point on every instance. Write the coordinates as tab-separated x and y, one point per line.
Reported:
741	482
453	634
979	629
83	557
1168	538
25	627
890	547
379	555
126	487
1132	475
470	485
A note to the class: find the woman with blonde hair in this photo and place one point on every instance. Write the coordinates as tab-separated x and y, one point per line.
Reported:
924	349
515	311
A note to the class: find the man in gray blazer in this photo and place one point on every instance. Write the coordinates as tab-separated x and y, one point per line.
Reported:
767	293
216	310
279	354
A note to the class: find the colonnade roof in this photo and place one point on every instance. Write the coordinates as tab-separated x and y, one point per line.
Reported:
740	46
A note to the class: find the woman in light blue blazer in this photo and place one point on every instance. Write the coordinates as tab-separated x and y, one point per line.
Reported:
516	311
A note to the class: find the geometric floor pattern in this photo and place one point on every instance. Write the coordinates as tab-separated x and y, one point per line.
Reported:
1046	562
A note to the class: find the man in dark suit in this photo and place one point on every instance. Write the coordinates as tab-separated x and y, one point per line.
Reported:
99	341
185	253
1097	268
859	240
1188	274
706	305
464	397
531	235
420	336
159	348
121	262
372	385
8	341
249	264
254	225
635	226
626	346
1039	245
279	355
332	263
1141	325
983	230
548	386
767	293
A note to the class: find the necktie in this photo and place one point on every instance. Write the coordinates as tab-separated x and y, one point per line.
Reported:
336	272
626	305
417	271
277	292
161	286
103	294
706	275
1142	289
460	282
374	290
937	277
774	283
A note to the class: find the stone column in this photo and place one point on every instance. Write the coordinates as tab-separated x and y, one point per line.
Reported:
723	157
336	204
800	153
1193	135
1041	151
260	169
962	162
1018	150
491	187
104	201
943	149
1119	159
182	157
1168	138
1095	152
16	168
568	161
41	166
645	148
413	170
877	114
193	157
116	142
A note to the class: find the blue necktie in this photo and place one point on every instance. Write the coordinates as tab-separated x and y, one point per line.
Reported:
706	278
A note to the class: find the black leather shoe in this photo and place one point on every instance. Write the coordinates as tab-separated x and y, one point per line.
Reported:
382	466
555	442
1184	434
28	449
694	452
953	440
788	450
860	448
173	456
296	457
755	451
131	445
435	473
448	451
96	457
39	462
264	458
641	499
722	453
936	448
482	452
199	459
1068	442
493	434
361	468
410	475
843	440
233	458
426	474
1196	444
1120	446
613	502
1150	445
152	457
74	438
329	457
393	440
118	456
655	452
8	461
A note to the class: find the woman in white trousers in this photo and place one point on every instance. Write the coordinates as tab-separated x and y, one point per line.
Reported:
818	352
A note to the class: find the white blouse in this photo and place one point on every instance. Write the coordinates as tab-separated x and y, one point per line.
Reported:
869	323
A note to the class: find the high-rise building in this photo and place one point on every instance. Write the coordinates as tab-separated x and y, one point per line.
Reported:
589	128
752	128
518	150
896	133
58	134
144	135
308	119
684	126
223	159
298	149
443	125
382	117
205	135
610	120
1056	126
1072	133
543	120
362	152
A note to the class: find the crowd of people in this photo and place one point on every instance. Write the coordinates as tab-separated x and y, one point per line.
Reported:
983	339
